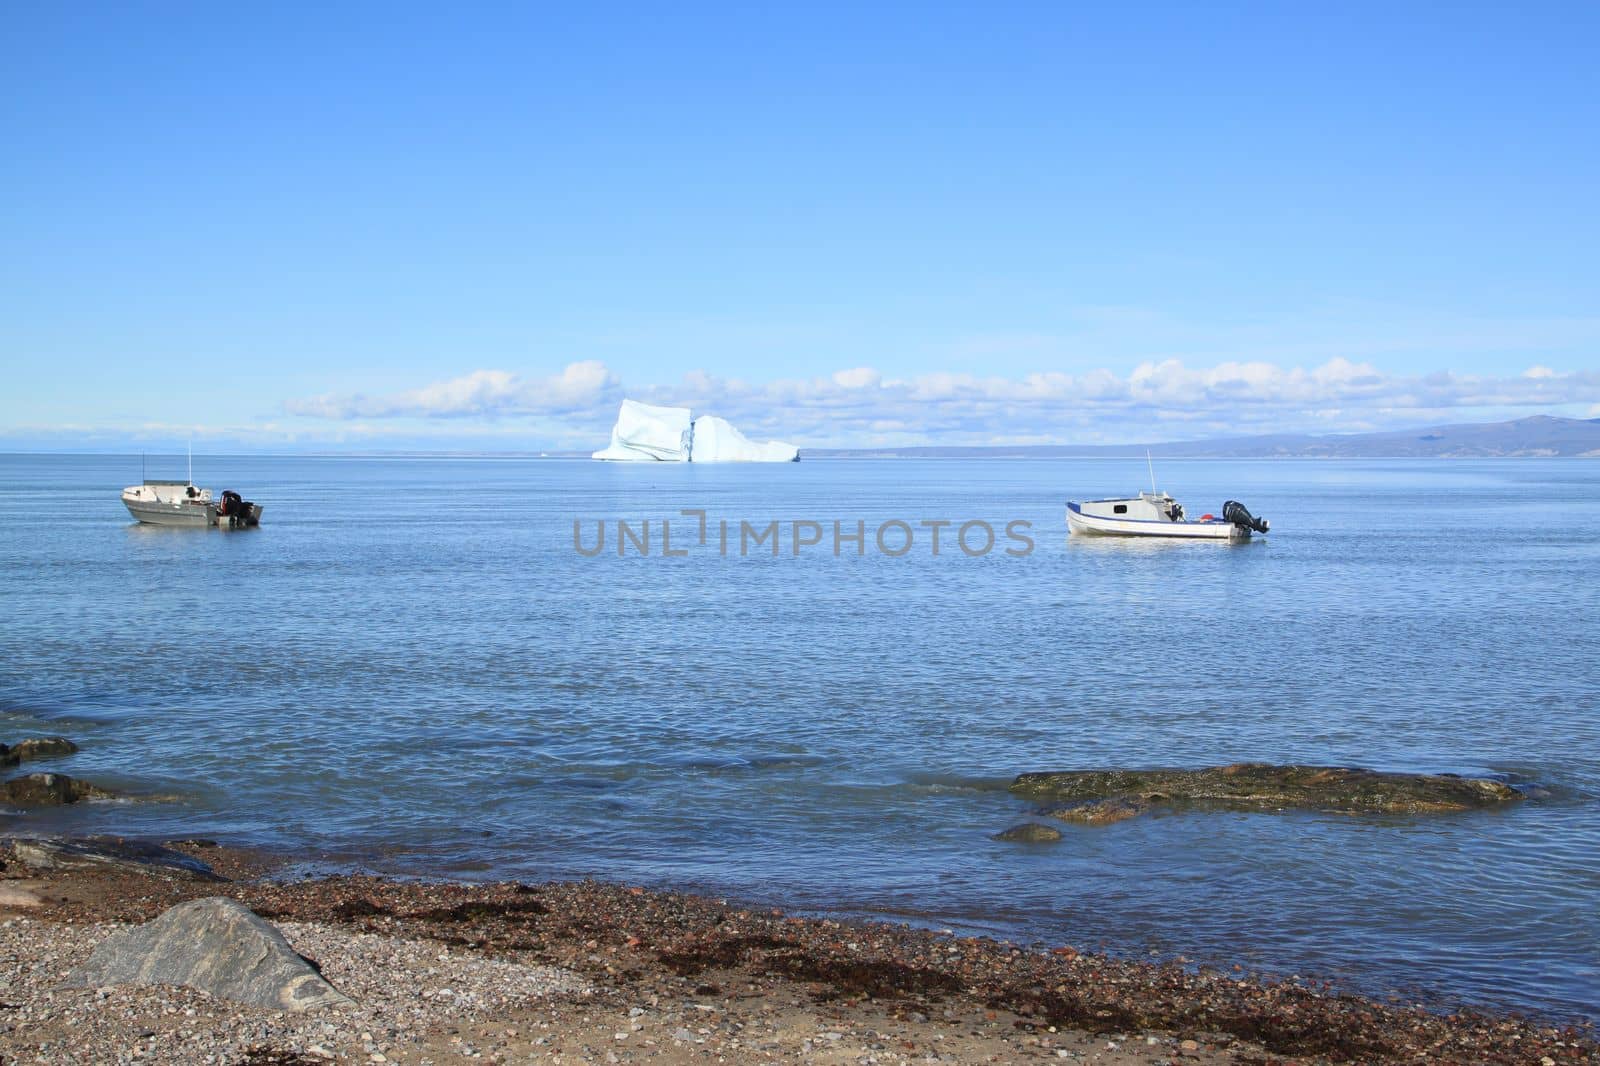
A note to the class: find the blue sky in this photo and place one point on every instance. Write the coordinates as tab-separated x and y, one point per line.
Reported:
393	226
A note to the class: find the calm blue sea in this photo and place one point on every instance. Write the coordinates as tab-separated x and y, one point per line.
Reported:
409	668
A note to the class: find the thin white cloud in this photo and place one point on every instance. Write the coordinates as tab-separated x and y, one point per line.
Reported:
482	394
860	377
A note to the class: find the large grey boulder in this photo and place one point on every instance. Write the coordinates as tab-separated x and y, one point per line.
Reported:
216	945
110	854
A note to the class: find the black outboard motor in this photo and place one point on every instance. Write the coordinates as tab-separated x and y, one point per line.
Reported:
237	510
1237	513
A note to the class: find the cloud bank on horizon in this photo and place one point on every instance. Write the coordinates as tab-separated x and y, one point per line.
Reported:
498	410
860	406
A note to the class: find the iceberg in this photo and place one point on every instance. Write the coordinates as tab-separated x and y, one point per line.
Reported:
717	441
647	433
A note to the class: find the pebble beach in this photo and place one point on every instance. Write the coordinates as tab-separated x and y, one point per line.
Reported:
590	972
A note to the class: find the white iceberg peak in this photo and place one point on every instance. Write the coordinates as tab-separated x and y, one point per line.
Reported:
648	433
717	441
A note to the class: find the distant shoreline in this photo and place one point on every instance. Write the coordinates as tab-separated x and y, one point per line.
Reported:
1005	455
1536	437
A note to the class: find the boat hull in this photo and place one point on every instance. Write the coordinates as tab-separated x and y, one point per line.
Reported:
1098	525
194	516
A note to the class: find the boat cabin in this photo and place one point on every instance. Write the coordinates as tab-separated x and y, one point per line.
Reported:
1145	507
167	492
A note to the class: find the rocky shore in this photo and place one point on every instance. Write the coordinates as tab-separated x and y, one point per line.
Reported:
588	972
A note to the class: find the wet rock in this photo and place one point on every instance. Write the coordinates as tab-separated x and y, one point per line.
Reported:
1099	812
1104	796
50	790
110	853
216	945
1030	833
36	748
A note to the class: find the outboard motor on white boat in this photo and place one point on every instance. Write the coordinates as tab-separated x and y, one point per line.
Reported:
238	511
1237	513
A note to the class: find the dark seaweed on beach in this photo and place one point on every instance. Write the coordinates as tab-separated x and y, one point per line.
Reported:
620	935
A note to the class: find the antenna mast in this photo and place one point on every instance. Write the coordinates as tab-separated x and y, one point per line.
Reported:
191	463
1152	466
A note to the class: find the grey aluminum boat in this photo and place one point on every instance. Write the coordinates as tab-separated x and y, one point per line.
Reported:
170	503
160	502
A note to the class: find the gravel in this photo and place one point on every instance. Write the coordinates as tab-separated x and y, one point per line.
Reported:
406	992
591	972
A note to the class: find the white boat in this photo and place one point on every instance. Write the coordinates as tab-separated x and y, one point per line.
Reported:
1156	514
170	503
159	502
180	503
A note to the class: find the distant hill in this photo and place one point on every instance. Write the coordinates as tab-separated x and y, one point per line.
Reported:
1540	435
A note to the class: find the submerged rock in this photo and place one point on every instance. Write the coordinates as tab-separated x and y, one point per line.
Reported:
110	853
216	945
51	790
35	748
1105	796
1100	812
1030	833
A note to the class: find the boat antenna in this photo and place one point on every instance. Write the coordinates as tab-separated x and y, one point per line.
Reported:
191	461
1152	466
